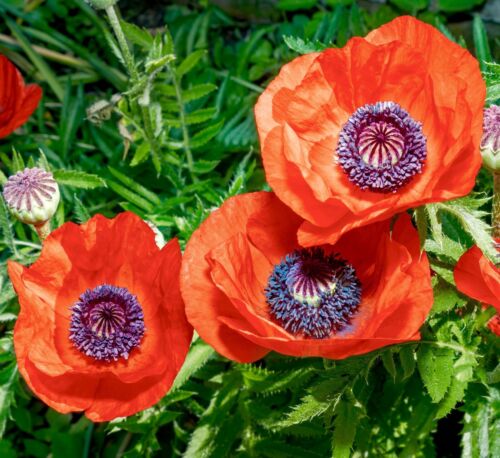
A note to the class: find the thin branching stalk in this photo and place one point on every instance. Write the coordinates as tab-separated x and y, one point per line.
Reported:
495	218
182	118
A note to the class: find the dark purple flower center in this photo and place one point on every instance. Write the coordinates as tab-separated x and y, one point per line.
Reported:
313	294
381	147
107	323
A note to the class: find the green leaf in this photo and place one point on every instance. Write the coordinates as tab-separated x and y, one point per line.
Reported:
201	166
199	354
453	6
446	298
72	115
17	161
309	408
78	179
301	46
481	44
189	62
345	424
204	438
5	226
205	135
452	396
273	448
8	376
197	92
137	35
293	5
388	362
466	212
408	361
81	213
435	365
492	76
135	186
37	60
130	196
412	6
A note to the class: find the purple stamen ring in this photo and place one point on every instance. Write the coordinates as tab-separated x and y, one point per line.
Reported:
381	147
312	294
107	323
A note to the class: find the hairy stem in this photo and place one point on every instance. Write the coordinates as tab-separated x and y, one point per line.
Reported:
495	217
43	230
182	117
132	70
122	42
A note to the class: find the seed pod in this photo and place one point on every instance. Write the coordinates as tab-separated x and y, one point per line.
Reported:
32	195
490	143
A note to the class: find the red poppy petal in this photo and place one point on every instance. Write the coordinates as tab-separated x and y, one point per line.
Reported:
205	303
470	279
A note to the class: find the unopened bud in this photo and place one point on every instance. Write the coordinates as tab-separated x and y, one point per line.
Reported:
490	143
101	4
32	195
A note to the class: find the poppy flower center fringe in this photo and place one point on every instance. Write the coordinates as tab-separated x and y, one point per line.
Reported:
107	323
28	187
381	147
313	294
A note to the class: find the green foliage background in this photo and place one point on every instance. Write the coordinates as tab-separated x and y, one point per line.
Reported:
170	135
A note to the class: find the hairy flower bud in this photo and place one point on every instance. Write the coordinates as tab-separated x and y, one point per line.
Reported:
32	195
490	143
101	4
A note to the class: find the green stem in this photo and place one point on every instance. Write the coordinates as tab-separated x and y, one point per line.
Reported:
43	230
122	42
495	218
185	132
436	343
132	70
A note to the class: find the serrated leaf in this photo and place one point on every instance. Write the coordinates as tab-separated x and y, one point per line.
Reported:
435	365
446	298
454	394
81	213
467	213
408	361
197	92
130	196
137	35
301	46
199	354
201	166
388	362
135	186
78	179
17	161
205	135
8	376
189	62
6	227
345	424
309	408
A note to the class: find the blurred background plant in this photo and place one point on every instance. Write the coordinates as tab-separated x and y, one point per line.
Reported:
150	109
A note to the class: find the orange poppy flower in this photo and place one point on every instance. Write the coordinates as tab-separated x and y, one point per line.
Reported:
250	288
477	277
354	135
102	327
17	101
